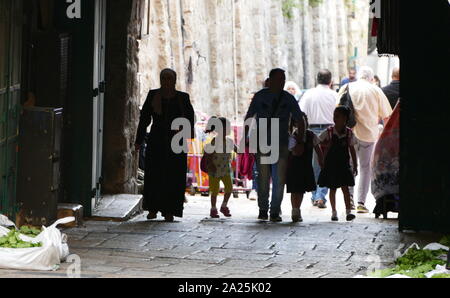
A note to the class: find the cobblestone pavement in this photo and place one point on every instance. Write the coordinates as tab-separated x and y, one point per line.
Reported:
197	246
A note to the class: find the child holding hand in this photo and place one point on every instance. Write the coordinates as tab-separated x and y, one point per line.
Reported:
300	175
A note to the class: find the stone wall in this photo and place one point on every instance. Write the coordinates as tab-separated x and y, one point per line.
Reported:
224	49
121	98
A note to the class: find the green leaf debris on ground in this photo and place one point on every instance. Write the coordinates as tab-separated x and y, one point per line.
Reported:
415	263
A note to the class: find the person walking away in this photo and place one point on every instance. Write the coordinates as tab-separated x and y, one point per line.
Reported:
370	106
300	176
165	170
392	91
219	166
337	172
319	104
273	103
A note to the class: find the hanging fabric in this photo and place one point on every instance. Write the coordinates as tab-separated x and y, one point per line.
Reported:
389	28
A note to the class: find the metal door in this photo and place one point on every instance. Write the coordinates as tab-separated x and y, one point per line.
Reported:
10	77
99	89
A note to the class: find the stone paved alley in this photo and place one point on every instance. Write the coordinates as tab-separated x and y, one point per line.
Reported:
199	247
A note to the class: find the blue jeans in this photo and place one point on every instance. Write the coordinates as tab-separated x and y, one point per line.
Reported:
277	172
321	192
255	177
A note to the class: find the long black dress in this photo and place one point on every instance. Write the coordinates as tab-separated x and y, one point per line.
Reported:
300	174
165	171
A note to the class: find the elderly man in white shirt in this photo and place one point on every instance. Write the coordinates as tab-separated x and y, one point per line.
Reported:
319	104
371	106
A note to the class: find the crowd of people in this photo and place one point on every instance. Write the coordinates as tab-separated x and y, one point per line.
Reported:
318	152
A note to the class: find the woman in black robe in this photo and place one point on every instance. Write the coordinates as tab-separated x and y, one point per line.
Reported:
165	171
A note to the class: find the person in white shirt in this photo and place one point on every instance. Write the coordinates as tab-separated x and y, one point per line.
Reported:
371	106
319	104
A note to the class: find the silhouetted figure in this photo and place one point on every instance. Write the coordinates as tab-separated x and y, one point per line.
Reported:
273	103
165	171
392	91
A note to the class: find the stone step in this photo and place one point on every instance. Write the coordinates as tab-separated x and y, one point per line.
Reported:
118	207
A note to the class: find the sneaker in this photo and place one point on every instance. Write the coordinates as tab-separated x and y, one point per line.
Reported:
214	213
334	216
225	211
297	215
275	218
362	209
350	217
321	204
263	215
253	196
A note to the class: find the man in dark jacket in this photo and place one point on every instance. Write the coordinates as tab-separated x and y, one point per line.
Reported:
269	104
392	91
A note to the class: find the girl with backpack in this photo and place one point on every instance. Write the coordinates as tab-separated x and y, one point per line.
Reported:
300	175
217	160
338	143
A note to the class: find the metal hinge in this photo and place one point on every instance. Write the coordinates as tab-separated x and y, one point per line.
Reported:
101	89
